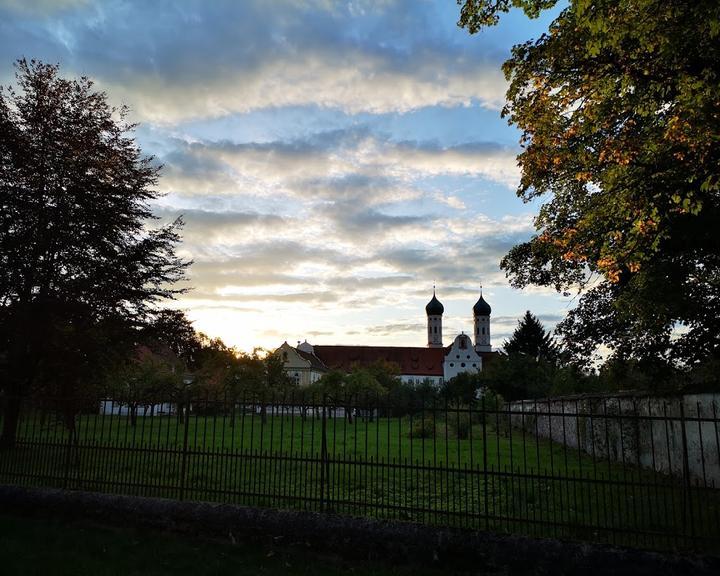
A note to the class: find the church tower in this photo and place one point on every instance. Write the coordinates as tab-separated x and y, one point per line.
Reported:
481	321
434	311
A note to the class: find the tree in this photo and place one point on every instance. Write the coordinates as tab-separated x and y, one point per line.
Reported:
76	252
618	107
518	377
462	389
531	339
173	330
358	390
143	381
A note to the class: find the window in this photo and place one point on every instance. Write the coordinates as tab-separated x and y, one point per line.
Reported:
483	329
462	365
284	356
474	365
452	364
435	330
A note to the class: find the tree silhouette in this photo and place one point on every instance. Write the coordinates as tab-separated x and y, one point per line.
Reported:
531	339
77	253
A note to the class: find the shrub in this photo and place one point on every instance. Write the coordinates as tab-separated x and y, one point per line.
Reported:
425	427
461	424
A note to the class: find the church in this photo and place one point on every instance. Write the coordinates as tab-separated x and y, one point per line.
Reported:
435	362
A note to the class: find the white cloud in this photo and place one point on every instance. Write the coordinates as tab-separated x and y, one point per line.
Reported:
41	7
332	166
354	82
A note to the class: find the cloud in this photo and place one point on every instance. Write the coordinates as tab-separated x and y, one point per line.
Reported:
336	165
314	202
40	7
220	227
353	82
195	59
398	328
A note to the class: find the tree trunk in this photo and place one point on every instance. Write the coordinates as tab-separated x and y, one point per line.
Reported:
11	417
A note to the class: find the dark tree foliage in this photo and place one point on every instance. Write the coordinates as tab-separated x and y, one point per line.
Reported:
173	330
462	389
80	269
518	377
531	339
618	107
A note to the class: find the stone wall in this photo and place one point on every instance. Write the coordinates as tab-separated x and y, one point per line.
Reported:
675	435
396	543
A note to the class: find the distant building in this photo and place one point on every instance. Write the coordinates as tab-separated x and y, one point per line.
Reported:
436	362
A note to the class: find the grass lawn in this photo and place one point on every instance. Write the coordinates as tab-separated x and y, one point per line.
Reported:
423	470
30	546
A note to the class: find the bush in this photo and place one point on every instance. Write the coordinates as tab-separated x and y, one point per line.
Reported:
461	424
425	427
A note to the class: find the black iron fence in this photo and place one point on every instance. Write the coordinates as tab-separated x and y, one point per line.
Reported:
611	471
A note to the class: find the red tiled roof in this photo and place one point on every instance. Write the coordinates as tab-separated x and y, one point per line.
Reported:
412	361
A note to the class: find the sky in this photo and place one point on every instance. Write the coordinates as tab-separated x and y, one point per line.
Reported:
332	160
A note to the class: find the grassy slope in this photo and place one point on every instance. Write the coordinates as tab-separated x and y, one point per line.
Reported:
33	546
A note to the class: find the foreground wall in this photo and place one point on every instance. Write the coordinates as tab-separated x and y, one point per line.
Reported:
676	435
399	543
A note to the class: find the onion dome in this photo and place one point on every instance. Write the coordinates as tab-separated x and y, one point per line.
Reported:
434	307
481	307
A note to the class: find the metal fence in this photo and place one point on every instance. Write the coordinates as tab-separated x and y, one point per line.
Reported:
471	466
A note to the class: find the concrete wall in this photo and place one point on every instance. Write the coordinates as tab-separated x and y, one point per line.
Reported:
115	408
640	430
417	380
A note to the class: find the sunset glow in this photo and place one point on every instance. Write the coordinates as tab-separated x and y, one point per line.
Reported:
332	161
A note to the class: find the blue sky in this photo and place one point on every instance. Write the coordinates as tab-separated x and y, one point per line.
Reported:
332	160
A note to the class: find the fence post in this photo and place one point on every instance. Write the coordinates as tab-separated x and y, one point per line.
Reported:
687	512
68	458
183	464
485	464
324	462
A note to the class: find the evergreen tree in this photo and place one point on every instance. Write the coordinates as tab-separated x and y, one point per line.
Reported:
531	339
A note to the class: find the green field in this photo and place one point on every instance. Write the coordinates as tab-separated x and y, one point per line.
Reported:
434	470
